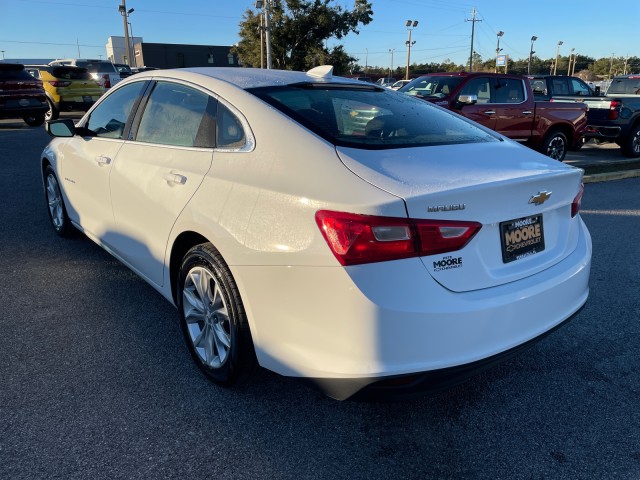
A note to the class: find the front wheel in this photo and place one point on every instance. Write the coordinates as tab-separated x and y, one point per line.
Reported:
555	146
212	317
34	120
630	146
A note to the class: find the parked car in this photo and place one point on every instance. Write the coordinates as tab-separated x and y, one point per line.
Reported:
616	117
21	95
386	81
102	71
67	88
394	255
506	103
399	84
123	69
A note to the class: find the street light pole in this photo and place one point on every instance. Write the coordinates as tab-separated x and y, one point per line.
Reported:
555	66
411	24
570	55
391	50
573	69
125	20
611	66
531	52
366	61
498	49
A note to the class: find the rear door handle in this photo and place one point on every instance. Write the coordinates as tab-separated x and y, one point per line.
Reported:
490	112
175	179
527	112
103	160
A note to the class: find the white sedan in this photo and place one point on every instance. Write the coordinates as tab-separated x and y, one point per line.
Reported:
323	228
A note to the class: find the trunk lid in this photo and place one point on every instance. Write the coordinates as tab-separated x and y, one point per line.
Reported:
490	183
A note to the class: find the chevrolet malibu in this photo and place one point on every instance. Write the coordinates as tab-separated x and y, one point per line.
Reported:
323	228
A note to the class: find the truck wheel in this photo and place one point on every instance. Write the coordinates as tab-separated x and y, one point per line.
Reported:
555	146
630	146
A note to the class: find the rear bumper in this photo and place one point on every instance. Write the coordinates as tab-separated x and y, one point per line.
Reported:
603	132
345	329
21	112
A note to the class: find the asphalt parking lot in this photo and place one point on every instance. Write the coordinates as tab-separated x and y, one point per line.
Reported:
96	381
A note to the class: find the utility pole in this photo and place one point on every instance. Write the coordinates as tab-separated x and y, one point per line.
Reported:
267	15
573	69
261	41
570	55
125	14
473	21
391	50
611	66
366	61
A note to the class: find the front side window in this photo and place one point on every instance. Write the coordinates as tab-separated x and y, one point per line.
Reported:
110	117
481	87
580	88
369	117
177	115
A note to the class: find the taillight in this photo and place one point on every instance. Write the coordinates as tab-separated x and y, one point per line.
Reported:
575	205
59	83
107	81
356	239
614	109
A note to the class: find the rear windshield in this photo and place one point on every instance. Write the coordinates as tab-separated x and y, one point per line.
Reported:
432	86
370	117
94	67
71	73
630	86
14	72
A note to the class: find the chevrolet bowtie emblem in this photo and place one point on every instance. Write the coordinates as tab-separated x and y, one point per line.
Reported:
540	197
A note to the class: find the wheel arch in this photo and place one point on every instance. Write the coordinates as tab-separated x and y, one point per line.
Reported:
182	244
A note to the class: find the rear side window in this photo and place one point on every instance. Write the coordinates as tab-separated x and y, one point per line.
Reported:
110	117
370	117
629	86
509	90
178	115
560	86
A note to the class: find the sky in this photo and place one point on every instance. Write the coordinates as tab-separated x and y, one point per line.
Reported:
59	29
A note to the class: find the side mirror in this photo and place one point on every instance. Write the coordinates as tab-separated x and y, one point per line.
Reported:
467	100
61	128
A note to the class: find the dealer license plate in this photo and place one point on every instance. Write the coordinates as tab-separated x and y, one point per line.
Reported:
521	238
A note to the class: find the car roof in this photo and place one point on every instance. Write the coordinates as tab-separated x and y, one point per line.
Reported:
246	78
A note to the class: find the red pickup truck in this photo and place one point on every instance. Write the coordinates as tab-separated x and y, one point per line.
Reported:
505	103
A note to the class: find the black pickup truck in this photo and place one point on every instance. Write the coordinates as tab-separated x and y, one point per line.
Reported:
616	116
562	87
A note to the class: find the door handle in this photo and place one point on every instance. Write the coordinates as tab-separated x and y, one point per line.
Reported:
103	160
175	179
527	112
490	112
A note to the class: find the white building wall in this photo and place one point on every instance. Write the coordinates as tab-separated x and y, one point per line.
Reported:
116	51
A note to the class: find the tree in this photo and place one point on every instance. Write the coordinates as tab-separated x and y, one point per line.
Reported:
299	31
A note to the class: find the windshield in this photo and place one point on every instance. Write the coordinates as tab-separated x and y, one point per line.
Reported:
94	67
432	86
71	73
369	117
629	85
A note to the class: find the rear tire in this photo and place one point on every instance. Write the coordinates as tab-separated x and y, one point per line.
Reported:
555	145
212	317
55	202
34	120
630	146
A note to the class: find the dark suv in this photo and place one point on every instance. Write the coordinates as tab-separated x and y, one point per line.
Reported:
21	95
